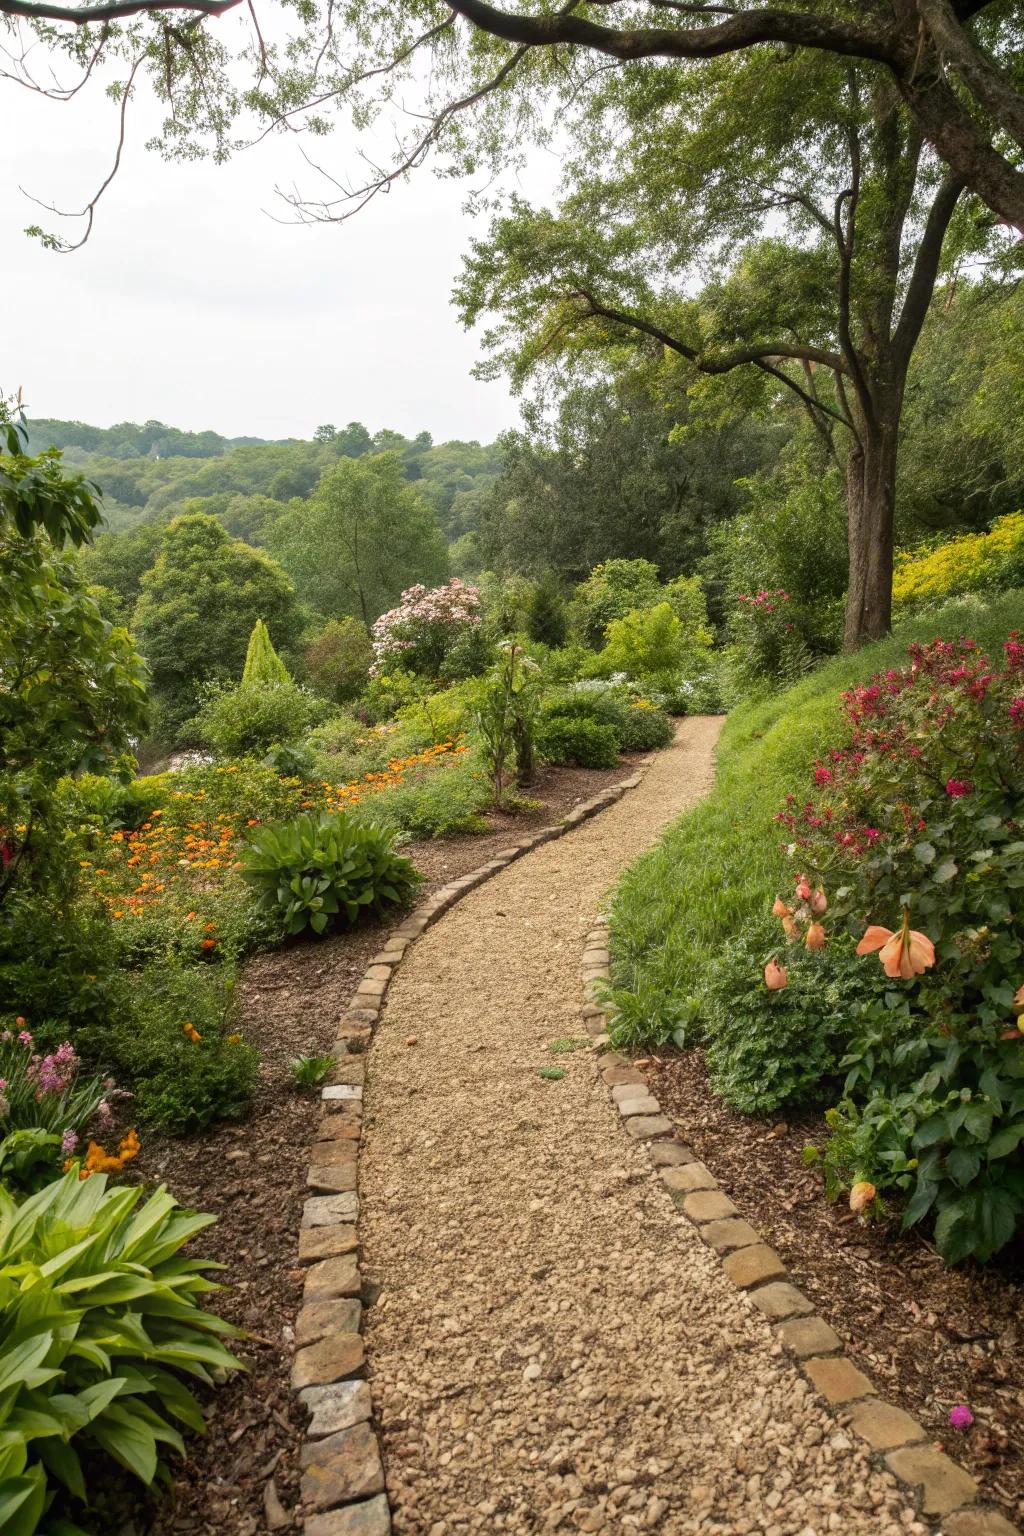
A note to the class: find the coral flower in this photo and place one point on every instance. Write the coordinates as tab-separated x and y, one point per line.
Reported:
815	937
803	888
780	909
861	1195
775	976
819	903
906	953
790	928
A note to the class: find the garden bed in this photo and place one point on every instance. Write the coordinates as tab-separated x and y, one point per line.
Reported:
251	1175
930	1336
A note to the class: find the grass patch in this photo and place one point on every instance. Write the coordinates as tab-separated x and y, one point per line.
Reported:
715	873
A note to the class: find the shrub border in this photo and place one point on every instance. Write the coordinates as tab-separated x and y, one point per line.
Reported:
343	1487
942	1488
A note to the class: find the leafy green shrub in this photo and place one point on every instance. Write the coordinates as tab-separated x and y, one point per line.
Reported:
99	1321
319	868
447	799
646	642
172	1039
612	590
917	830
645	728
112	802
769	1049
971	562
59	961
580	741
592	699
547	618
246	721
506	716
340	658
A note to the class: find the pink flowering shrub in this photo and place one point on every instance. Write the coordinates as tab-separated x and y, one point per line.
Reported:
767	638
420	634
914	839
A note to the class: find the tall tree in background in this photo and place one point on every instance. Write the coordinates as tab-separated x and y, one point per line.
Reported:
198	606
361	539
827	310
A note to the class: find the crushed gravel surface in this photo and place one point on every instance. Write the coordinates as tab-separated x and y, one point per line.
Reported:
552	1347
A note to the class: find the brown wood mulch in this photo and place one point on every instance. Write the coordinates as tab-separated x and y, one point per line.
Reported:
931	1337
242	1478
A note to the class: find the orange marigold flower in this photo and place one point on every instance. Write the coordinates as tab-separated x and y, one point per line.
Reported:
191	1033
208	944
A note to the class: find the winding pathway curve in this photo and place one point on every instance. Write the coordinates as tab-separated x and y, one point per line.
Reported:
553	1347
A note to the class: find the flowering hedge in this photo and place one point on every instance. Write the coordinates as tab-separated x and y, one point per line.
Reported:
973	562
425	626
916	836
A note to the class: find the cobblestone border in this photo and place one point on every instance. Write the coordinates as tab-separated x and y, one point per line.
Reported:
343	1490
944	1490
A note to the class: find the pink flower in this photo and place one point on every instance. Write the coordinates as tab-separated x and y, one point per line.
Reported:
961	1416
957	787
819	903
823	775
803	888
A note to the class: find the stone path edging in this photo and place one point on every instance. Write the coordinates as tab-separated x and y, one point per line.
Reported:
343	1489
944	1490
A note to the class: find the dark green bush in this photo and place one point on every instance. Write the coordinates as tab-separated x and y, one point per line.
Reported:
317	870
645	728
596	701
580	741
248	720
769	1049
180	1083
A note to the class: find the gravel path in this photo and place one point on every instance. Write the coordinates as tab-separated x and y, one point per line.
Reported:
553	1348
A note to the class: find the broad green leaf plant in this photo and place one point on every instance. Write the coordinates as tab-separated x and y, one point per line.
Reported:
100	1321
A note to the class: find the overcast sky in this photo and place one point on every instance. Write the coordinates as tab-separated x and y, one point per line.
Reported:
191	306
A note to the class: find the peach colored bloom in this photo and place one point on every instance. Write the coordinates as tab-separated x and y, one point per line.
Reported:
803	888
815	937
780	909
819	903
861	1195
790	928
905	953
775	976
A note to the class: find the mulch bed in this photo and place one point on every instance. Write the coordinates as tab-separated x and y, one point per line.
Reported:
930	1336
243	1477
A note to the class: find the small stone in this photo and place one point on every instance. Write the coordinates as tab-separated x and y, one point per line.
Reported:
753	1265
332	1178
332	1278
978	1522
333	1152
731	1233
945	1486
643	1126
708	1205
670	1154
326	1242
337	1406
646	1104
632	1087
319	1318
412	1040
838	1379
883	1425
341	1469
781	1300
809	1336
274	1512
340	1127
338	1091
373	986
688	1178
330	1210
330	1359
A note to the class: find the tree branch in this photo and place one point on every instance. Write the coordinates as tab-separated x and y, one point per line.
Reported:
743	30
926	267
976	69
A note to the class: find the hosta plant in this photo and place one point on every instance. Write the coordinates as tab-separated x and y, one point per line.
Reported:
318	870
100	1321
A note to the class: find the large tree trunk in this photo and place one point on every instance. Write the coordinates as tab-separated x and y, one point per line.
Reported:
871	505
